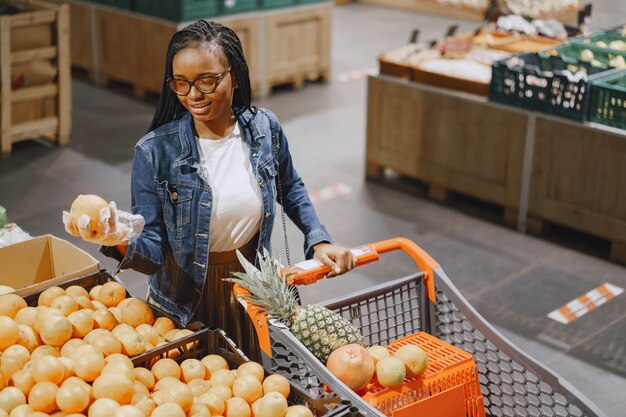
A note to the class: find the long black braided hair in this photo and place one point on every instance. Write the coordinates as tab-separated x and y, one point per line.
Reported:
213	33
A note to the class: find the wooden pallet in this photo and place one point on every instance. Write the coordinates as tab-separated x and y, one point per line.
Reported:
283	46
35	75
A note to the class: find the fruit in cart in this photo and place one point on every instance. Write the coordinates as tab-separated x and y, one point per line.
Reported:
390	372
90	205
298	411
378	352
353	365
414	358
319	329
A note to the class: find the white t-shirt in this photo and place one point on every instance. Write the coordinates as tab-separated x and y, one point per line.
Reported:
237	207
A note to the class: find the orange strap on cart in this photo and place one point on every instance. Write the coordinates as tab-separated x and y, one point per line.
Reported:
311	271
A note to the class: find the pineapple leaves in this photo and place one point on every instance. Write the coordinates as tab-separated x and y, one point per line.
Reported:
269	291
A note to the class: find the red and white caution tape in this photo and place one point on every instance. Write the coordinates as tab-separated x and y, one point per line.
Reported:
585	303
329	193
356	74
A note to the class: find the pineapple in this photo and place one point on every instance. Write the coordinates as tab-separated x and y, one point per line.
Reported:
319	329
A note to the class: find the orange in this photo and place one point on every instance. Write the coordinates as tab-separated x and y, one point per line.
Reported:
48	295
55	330
72	398
136	312
277	383
42	397
48	368
10	304
111	293
9	331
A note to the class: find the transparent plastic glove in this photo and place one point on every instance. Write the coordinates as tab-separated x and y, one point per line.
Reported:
115	227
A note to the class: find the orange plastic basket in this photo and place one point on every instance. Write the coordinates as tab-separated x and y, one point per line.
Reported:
450	383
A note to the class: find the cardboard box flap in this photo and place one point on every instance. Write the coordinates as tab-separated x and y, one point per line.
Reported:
43	261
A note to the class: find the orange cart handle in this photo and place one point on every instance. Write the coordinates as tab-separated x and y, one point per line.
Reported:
308	272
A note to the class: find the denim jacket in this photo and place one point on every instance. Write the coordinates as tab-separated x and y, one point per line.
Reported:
170	190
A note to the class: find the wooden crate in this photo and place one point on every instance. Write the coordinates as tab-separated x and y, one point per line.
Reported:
452	142
296	45
35	75
579	180
248	28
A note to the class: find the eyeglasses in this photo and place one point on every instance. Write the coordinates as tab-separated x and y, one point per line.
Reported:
206	84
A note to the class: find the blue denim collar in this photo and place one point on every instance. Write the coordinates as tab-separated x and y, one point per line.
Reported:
189	154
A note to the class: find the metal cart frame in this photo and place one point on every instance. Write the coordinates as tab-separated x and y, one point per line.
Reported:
512	383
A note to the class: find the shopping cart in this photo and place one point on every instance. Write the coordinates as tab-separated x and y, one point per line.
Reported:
511	383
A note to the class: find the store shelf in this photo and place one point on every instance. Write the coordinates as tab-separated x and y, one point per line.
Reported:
538	168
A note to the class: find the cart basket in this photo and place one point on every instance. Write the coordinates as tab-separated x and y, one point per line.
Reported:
511	382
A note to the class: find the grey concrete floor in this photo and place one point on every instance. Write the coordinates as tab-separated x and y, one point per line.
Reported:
512	279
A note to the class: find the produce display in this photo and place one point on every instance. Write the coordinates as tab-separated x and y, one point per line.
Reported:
72	353
537	9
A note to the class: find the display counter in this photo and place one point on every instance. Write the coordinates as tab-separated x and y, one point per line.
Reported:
284	45
537	167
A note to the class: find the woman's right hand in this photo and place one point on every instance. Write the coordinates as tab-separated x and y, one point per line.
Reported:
115	227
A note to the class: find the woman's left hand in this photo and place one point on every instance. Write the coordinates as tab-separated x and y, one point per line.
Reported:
339	259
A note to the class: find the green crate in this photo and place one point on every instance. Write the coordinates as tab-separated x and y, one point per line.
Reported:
591	42
608	100
238	6
120	4
572	54
274	4
310	1
545	83
178	10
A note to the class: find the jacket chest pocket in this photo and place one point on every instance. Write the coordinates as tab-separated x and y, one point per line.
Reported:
176	202
270	172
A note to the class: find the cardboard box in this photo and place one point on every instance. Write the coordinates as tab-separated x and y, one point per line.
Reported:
43	261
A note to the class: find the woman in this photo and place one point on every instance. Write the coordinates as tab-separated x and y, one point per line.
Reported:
205	180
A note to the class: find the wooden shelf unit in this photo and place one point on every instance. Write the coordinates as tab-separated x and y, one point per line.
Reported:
287	45
35	75
538	168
